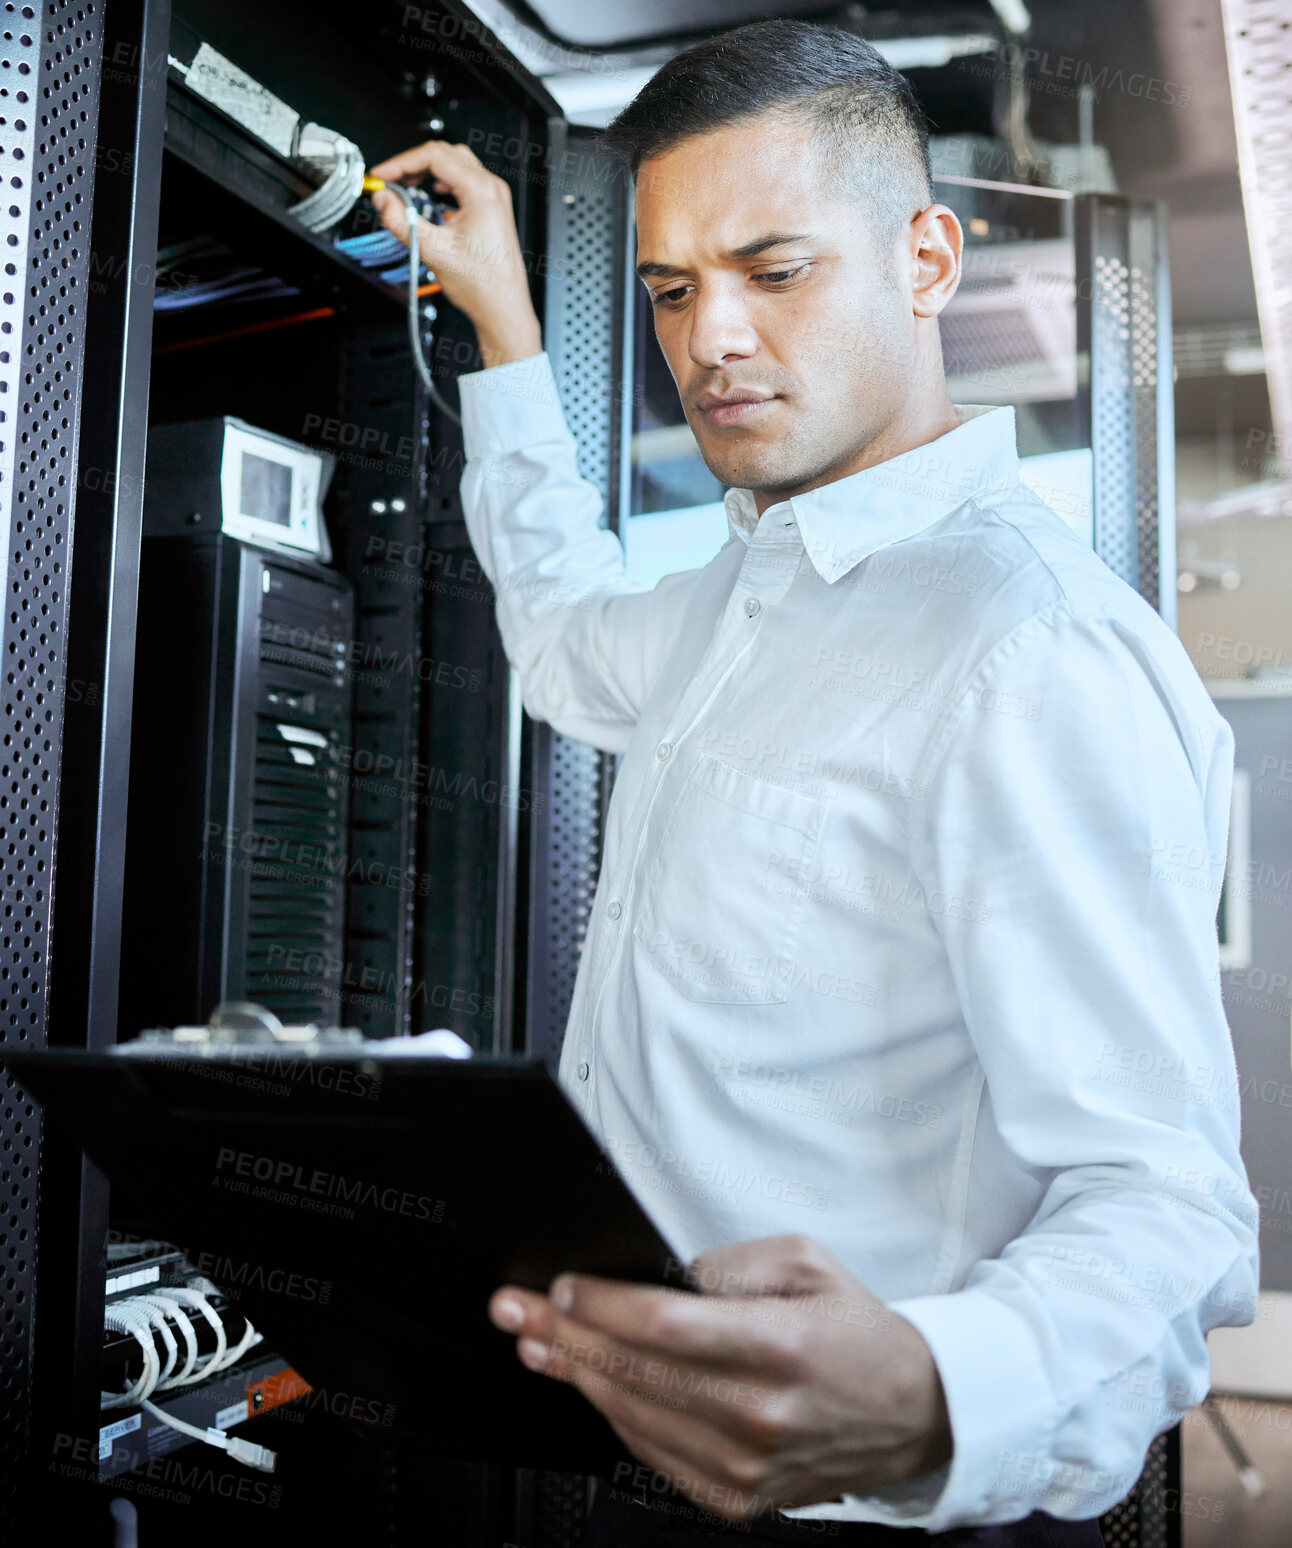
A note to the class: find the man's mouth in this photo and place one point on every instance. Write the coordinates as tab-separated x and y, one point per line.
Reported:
734	408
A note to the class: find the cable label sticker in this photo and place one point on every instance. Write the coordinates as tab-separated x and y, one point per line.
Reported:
110	1432
234	1414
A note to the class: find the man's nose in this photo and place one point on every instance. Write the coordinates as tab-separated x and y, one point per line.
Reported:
721	330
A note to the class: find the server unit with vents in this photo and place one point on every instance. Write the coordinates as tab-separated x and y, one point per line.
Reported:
236	840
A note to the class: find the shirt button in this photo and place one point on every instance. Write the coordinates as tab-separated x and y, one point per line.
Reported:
664	751
752	606
584	1071
615	909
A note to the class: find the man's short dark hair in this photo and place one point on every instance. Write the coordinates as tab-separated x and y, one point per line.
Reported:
869	128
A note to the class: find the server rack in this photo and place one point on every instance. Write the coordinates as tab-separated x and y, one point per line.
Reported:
90	125
432	906
241	725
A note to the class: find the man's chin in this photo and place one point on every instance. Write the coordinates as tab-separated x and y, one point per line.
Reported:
745	472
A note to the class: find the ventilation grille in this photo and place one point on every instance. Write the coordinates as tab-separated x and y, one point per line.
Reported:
1114	428
49	56
296	887
1150	1516
589	229
315	651
1129	352
1145	364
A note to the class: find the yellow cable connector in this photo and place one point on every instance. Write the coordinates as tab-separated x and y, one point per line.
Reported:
372	184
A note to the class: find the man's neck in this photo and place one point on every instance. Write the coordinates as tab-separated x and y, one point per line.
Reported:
913	425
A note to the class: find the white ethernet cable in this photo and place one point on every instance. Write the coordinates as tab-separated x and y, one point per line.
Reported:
142	1316
122	1318
216	1360
169	1307
235	1446
414	319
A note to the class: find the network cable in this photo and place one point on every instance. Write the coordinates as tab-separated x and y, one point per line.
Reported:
413	214
145	1316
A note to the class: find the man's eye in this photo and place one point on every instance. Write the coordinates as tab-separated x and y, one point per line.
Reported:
677	293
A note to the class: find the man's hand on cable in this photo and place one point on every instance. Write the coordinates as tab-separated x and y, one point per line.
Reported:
784	1382
475	254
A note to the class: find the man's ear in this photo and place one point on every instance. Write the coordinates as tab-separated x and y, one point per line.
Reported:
936	242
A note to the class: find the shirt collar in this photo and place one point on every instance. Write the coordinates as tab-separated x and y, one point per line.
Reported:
846	521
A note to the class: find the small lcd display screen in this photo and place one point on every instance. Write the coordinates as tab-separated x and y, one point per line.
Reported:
266	489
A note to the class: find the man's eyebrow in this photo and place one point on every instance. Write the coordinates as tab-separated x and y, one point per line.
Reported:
752	249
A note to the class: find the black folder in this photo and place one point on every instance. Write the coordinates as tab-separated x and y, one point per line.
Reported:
362	1204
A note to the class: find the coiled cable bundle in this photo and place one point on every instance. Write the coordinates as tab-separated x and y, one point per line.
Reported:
341	161
146	1318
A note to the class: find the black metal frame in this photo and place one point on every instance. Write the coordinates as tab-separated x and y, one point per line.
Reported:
106	264
97	238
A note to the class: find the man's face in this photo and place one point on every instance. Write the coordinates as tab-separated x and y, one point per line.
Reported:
819	325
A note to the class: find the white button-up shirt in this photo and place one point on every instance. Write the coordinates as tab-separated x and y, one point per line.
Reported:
904	936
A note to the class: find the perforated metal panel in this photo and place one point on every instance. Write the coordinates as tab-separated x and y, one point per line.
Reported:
587	222
585	330
561	1510
1114	426
49	58
1151	1516
1125	334
1150	356
573	820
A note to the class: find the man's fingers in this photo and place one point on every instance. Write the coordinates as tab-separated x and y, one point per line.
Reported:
450	163
435	243
428	157
390	209
731	1439
769	1266
749	1406
687	1327
522	1312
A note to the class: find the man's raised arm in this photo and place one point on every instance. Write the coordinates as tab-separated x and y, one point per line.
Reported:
584	638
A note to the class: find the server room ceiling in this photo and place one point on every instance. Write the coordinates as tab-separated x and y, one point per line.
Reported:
1162	93
626	27
609	23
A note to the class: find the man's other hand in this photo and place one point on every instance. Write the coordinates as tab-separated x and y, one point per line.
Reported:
784	1382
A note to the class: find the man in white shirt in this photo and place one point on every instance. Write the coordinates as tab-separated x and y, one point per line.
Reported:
899	1004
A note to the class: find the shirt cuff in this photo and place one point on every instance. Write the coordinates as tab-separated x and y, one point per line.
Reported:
1000	1407
509	407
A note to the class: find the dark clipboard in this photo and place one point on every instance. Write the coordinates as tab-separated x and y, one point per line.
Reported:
410	1187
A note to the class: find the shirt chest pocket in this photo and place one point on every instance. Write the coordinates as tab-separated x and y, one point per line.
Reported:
723	892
